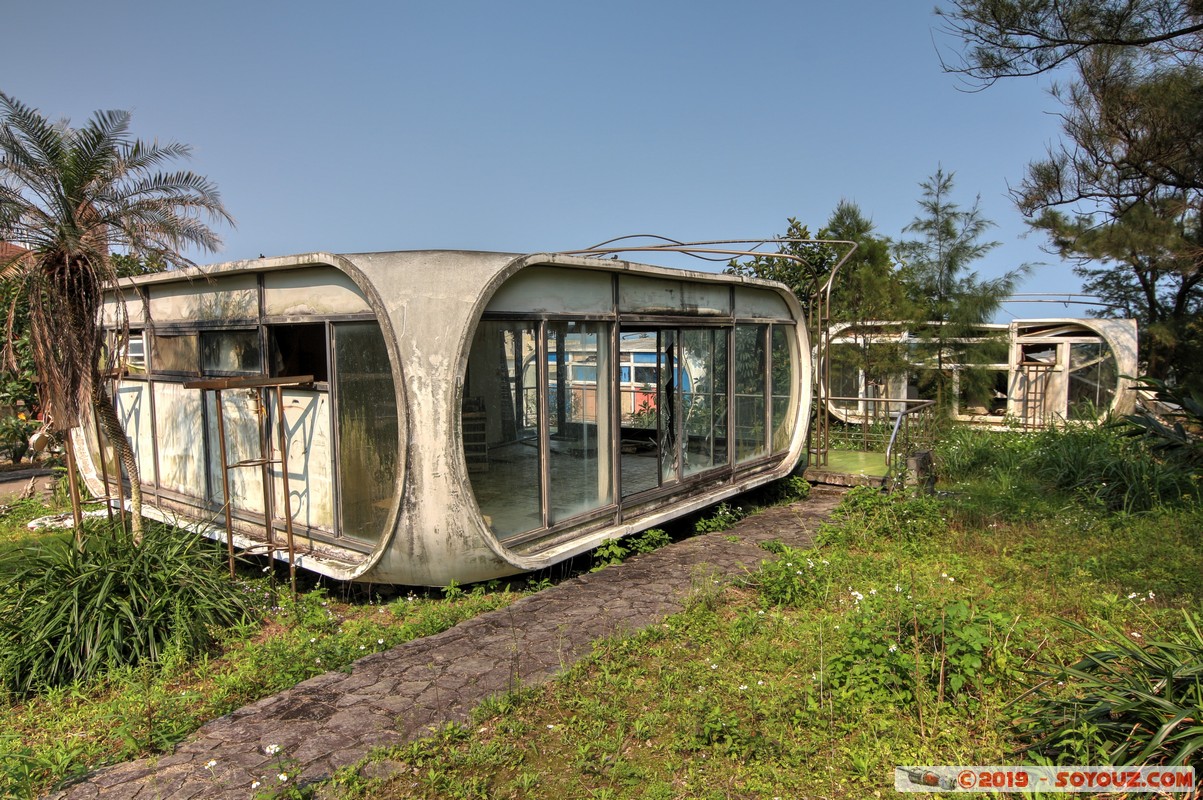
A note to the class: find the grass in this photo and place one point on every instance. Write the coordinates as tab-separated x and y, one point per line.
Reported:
911	634
134	711
753	699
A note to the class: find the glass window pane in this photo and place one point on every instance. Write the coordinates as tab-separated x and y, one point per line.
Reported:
579	419
783	366
175	353
1093	376
500	426
230	352
179	436
135	352
704	398
670	422
641	417
750	409
367	429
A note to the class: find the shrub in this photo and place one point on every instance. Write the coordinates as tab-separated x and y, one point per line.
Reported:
791	489
1098	461
1126	703
796	578
1179	434
868	514
72	612
963	452
952	652
724	517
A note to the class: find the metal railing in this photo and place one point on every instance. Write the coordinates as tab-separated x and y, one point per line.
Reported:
895	426
914	430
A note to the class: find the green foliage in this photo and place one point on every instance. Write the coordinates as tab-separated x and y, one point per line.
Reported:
791	489
73	612
964	452
800	263
14	435
724	516
867	514
17	386
1098	462
1154	553
950	301
615	551
893	653
1128	173
729	735
866	289
1103	463
70	197
1139	258
1178	435
609	552
1128	702
649	540
796	578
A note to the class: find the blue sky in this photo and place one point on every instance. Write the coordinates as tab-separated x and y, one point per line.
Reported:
532	126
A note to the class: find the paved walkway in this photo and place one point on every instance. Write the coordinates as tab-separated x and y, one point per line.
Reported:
333	720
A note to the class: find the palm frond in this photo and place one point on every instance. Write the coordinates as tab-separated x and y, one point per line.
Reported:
71	197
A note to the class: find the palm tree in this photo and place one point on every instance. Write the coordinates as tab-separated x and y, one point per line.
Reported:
71	198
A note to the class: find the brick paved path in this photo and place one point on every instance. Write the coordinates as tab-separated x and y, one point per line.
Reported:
333	720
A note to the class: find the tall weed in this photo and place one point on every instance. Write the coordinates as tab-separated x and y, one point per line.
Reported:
901	653
72	613
866	515
963	452
1127	702
1099	462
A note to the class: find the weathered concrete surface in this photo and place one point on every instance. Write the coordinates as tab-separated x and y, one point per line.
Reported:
333	720
32	482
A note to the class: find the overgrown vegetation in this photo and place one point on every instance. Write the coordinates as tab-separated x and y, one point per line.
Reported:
1022	613
111	652
165	642
72	611
986	625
